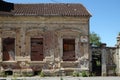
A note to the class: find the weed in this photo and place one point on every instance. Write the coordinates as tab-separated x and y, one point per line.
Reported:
41	74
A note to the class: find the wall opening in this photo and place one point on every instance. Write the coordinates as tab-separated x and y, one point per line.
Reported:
68	49
37	49
8	45
37	73
96	64
8	73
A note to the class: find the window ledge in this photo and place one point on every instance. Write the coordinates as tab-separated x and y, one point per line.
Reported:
37	62
9	61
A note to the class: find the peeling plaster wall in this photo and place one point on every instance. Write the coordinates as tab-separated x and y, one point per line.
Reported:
53	30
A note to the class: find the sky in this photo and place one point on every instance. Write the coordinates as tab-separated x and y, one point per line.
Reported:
105	20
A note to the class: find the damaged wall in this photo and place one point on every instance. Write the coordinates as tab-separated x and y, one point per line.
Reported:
52	31
103	60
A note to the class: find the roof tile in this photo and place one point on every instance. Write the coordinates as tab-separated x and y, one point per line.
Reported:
48	10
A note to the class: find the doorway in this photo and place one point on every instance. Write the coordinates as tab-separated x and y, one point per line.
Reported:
96	64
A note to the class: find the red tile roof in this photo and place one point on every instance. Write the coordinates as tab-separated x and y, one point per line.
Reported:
48	10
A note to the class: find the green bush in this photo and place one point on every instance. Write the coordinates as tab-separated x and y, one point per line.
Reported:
84	74
2	74
76	74
27	74
93	74
41	74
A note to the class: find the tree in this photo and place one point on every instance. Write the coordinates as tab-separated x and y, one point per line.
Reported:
95	39
119	33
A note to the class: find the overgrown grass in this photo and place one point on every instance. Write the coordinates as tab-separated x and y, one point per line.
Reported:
2	74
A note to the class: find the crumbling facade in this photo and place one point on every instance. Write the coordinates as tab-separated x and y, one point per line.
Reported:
44	37
103	60
117	60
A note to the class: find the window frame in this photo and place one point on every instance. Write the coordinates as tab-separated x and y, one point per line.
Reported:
36	44
3	48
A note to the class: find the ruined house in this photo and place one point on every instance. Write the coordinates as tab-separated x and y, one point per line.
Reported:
103	60
52	38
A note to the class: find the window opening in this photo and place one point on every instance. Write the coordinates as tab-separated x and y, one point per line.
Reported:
68	49
36	49
8	73
8	49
